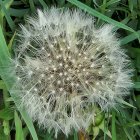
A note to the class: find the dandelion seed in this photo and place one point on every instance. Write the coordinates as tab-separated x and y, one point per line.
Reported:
28	43
97	49
61	64
43	48
30	73
61	49
51	47
92	65
53	91
77	85
61	89
66	66
51	75
100	72
54	69
111	76
57	57
60	74
64	40
72	84
35	89
85	58
80	65
78	71
84	69
65	73
97	83
73	60
87	73
84	43
37	68
67	78
55	42
42	75
103	66
18	78
79	54
59	82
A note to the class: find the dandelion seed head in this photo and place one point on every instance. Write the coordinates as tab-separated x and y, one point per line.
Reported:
62	58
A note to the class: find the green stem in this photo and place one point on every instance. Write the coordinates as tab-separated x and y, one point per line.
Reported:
6	104
113	126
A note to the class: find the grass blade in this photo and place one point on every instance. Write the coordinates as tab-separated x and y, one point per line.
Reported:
129	38
113	126
4	52
112	2
137	85
75	135
101	16
7	16
43	4
125	103
18	125
17	12
32	6
10	79
6	114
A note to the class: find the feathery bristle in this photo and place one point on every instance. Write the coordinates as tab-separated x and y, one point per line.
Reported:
65	67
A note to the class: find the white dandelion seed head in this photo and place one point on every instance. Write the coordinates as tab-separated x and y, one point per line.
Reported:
66	67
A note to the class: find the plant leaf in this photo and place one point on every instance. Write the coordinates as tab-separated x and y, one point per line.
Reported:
7	16
113	126
18	125
6	114
129	38
101	16
9	79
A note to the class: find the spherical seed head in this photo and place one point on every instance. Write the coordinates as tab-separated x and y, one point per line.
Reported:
95	68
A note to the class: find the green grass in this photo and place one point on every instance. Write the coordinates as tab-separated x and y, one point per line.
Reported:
121	124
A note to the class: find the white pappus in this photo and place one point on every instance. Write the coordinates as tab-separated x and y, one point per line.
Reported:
65	67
